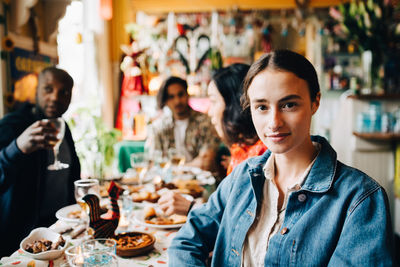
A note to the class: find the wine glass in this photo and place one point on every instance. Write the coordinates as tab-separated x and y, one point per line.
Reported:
59	124
84	187
139	162
177	159
161	160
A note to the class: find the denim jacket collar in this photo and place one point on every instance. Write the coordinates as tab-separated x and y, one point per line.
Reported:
319	179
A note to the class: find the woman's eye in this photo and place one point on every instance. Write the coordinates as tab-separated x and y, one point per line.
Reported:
289	105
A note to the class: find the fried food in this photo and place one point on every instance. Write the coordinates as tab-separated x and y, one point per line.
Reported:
133	241
75	214
44	245
190	187
145	196
151	217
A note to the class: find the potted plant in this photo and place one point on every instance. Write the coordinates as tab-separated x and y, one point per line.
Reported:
94	143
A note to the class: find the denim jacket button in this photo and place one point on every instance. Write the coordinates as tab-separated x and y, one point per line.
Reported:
302	197
284	230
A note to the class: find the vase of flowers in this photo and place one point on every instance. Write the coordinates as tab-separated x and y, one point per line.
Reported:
373	25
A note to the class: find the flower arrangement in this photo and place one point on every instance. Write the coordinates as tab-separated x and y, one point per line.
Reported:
372	25
94	142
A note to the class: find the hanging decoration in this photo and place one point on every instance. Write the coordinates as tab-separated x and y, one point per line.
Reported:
266	41
7	44
106	9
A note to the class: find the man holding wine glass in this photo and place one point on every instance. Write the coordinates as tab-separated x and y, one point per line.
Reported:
38	161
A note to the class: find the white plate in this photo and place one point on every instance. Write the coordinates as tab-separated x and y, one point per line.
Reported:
43	233
139	218
62	214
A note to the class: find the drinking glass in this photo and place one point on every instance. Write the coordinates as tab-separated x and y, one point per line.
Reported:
161	160
176	157
59	124
140	163
74	256
177	160
84	187
100	252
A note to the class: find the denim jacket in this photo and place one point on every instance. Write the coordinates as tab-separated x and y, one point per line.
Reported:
339	217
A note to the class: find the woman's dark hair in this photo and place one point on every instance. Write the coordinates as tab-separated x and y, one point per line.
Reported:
282	60
237	124
162	95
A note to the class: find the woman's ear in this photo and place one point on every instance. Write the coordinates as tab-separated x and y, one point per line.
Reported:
315	103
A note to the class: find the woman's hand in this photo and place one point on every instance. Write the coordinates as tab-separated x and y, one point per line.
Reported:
174	203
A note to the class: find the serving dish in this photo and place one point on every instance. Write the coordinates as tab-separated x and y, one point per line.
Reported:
67	214
131	244
139	218
40	234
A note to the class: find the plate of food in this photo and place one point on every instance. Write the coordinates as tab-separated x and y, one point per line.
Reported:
70	214
131	244
150	218
73	213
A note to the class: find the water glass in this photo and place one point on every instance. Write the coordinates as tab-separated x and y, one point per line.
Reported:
74	256
100	252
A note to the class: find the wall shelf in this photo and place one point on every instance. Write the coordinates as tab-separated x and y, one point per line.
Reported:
393	97
378	136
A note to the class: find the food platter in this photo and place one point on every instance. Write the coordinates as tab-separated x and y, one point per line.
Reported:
65	214
40	234
139	218
71	213
134	243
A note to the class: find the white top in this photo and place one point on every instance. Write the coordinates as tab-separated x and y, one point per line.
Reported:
179	135
269	219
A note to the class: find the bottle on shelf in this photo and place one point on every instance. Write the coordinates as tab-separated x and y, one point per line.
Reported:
139	123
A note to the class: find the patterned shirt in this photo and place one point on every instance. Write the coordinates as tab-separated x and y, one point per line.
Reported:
241	152
200	134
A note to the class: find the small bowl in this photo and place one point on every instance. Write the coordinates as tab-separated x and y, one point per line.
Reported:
140	249
43	233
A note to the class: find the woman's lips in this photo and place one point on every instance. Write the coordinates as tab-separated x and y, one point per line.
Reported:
279	137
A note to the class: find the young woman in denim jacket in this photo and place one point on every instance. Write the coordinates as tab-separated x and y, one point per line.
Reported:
296	205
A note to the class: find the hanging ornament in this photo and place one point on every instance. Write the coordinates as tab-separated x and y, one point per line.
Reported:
7	44
266	41
78	38
284	31
9	100
302	29
106	9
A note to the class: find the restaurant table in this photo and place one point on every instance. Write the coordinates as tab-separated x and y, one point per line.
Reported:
124	149
157	257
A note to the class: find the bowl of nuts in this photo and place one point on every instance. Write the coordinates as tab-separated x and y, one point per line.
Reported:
131	244
43	244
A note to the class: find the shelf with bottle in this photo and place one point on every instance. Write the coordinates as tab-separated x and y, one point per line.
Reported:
378	136
369	97
380	121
